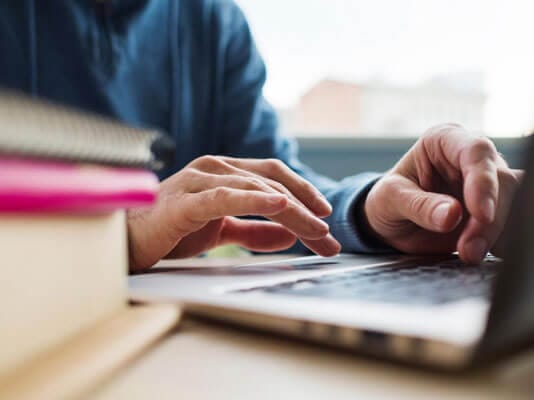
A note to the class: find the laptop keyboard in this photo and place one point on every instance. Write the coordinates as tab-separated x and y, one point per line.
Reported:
415	284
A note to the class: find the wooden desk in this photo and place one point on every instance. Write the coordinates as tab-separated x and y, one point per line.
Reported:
201	360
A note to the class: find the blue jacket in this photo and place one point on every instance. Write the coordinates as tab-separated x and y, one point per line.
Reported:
187	67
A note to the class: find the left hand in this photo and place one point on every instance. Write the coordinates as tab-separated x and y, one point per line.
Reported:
197	206
451	192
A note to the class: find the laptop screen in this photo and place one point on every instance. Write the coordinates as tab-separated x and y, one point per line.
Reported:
511	319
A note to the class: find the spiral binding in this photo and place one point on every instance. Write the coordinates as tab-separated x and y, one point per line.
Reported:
39	128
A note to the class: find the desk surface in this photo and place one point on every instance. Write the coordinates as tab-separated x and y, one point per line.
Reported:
201	360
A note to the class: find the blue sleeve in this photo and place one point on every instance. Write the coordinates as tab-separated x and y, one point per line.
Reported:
250	129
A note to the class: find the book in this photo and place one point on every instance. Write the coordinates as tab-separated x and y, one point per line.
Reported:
65	321
61	274
28	185
39	128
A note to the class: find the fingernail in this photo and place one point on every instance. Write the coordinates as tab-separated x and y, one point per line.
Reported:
476	249
440	214
326	247
335	244
334	247
327	207
488	209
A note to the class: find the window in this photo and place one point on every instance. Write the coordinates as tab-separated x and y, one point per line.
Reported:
393	68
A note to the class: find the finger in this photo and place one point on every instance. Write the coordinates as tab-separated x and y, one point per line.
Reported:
476	241
326	247
263	236
199	208
432	211
198	181
476	158
481	186
276	186
301	222
196	209
478	238
276	170
203	167
295	216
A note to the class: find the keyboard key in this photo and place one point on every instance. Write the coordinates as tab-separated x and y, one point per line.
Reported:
414	284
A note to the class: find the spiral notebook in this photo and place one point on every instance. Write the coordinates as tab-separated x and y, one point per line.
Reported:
38	128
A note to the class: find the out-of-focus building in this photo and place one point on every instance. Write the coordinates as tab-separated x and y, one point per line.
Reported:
339	108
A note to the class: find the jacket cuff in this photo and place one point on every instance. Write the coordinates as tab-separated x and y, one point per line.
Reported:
343	222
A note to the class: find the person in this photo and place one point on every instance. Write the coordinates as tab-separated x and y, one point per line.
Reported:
190	68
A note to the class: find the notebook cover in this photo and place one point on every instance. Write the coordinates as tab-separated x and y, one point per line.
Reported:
34	127
28	185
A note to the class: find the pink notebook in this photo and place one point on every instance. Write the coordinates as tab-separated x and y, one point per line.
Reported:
41	186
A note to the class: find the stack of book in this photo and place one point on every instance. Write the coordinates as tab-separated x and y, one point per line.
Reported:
66	178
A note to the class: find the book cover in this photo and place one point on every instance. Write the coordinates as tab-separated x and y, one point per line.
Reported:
28	185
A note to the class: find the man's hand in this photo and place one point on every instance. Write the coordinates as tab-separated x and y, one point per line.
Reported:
196	208
451	192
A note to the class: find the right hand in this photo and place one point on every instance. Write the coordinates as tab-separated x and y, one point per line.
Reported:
452	191
197	206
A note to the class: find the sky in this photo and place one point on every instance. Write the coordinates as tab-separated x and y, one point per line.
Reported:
404	42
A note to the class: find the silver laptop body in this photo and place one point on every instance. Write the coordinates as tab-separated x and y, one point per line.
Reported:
428	311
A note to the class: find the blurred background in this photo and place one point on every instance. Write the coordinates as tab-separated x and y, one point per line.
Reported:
360	80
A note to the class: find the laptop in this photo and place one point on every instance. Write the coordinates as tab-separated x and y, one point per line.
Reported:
427	311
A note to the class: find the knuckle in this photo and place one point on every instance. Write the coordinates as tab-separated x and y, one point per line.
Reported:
279	187
220	194
214	199
207	162
483	143
256	183
275	164
418	204
389	185
189	173
441	129
483	147
200	160
486	178
226	158
481	151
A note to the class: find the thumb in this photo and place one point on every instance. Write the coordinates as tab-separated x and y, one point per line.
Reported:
435	212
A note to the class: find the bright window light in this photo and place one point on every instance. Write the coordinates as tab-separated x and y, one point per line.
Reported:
394	68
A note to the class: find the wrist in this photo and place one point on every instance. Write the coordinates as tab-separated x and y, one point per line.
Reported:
369	235
137	241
